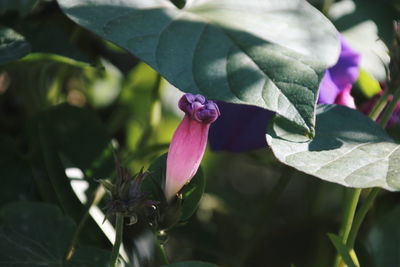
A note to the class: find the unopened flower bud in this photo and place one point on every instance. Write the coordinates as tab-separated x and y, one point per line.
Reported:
189	141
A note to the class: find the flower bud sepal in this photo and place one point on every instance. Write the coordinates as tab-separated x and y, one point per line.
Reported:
127	197
181	207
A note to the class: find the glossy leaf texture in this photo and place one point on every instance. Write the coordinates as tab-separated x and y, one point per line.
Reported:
38	234
349	149
270	54
12	45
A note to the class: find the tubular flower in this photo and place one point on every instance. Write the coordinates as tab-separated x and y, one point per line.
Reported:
189	141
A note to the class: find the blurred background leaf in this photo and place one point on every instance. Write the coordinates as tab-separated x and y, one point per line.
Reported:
12	45
35	234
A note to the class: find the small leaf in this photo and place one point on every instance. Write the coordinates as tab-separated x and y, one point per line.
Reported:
191	193
343	251
349	149
107	185
12	46
191	264
274	56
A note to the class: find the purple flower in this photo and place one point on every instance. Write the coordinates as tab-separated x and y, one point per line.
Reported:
242	128
341	76
189	141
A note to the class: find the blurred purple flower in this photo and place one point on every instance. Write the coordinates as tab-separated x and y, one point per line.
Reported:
189	142
242	128
341	76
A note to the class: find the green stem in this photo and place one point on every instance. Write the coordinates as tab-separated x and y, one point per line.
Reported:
360	216
326	6
119	226
348	217
94	200
379	106
349	214
365	207
390	108
163	253
351	220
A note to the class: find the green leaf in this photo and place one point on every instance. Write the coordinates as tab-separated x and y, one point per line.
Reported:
274	56
89	257
53	134
15	173
191	264
349	149
191	192
343	251
383	238
47	37
80	137
12	45
38	234
22	7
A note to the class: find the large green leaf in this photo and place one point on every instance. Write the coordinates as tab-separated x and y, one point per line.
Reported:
266	53
38	234
348	149
12	45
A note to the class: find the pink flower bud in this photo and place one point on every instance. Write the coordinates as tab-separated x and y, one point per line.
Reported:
189	142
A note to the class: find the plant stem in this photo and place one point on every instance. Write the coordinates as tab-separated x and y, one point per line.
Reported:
163	253
361	215
95	198
365	207
119	226
348	217
349	214
390	108
326	6
352	221
379	106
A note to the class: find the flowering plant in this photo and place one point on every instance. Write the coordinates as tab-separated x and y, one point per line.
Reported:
305	92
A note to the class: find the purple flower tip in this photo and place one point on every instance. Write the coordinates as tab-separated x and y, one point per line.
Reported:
199	108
